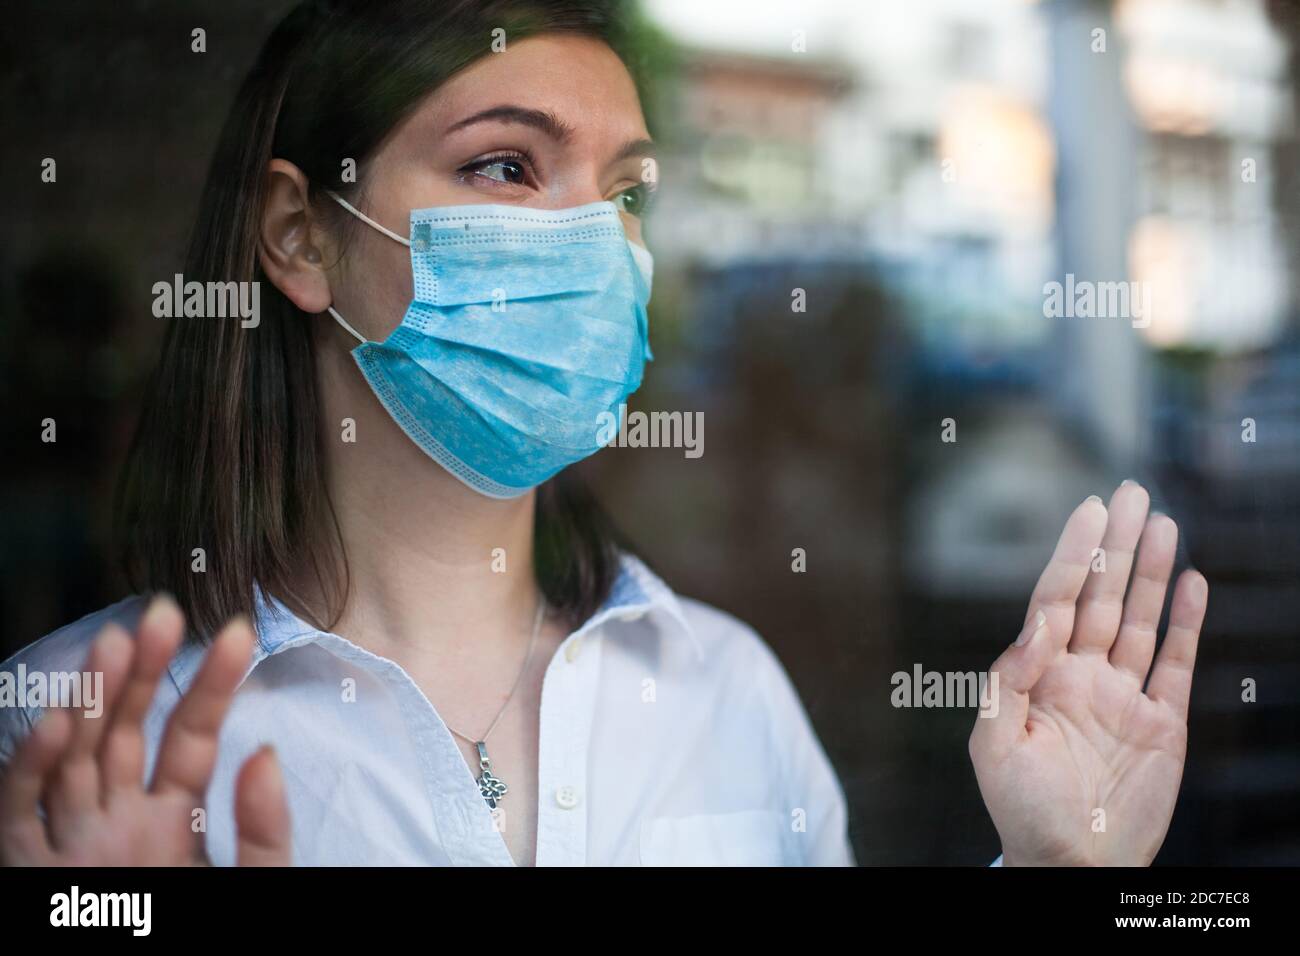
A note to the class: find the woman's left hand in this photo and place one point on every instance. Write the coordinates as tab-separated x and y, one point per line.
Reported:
1080	765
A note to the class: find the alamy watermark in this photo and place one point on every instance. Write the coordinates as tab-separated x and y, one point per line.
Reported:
922	688
130	910
652	430
77	690
1085	299
208	300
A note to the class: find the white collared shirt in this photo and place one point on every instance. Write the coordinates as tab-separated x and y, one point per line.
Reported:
670	735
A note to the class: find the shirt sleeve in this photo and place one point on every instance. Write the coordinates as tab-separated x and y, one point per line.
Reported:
808	777
15	725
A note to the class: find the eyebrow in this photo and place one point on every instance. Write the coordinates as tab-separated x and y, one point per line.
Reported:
544	120
635	147
550	124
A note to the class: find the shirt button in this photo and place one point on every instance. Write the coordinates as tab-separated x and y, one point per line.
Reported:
573	649
567	797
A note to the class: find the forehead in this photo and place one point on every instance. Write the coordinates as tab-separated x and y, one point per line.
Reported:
578	78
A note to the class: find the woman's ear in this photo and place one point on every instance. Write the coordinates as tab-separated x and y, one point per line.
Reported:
287	250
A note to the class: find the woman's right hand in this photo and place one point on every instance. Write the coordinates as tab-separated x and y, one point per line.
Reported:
87	773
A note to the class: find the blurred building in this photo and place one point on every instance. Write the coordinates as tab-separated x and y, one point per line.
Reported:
748	174
914	141
1207	82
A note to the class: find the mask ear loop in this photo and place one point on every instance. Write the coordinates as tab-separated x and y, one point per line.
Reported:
366	219
369	222
343	322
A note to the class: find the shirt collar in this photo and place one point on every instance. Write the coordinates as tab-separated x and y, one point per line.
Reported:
637	592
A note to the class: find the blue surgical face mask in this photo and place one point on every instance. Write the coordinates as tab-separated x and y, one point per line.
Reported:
527	331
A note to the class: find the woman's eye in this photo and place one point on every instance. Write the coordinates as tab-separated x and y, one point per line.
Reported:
633	201
507	171
502	169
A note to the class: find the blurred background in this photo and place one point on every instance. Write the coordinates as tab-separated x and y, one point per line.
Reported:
920	171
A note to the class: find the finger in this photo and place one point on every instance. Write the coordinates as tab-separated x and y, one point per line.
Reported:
1059	585
22	832
1011	678
1101	603
73	791
1136	643
189	746
122	758
1171	678
261	812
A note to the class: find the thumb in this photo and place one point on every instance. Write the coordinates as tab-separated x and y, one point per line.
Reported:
1015	673
261	813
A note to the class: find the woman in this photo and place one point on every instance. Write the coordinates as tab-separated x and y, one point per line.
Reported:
402	633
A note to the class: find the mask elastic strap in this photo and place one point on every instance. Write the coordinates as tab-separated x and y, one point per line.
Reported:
369	222
366	219
343	322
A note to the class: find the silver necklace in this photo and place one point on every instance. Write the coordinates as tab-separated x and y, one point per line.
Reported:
490	786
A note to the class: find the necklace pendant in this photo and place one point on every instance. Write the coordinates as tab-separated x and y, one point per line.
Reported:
491	787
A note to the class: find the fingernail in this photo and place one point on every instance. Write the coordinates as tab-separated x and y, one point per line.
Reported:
112	632
160	600
159	609
1127	481
1031	632
1096	498
239	622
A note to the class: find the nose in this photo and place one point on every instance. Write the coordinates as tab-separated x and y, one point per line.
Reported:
579	185
573	189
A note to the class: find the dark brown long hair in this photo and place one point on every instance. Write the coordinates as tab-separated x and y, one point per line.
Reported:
227	455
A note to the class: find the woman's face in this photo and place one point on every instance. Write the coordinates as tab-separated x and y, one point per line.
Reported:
552	122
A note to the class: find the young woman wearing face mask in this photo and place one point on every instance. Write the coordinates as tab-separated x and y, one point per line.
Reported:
413	630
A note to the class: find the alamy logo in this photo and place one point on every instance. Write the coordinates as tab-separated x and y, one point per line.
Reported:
1085	299
208	300
652	430
922	688
80	690
102	909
